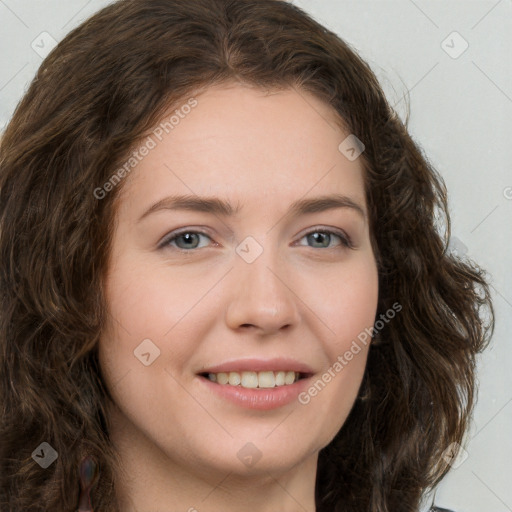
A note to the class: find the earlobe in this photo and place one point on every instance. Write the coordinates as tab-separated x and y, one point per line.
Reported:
89	472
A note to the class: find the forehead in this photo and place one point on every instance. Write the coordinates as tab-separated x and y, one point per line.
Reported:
250	143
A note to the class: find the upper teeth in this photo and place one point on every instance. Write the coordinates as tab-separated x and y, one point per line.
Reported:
255	379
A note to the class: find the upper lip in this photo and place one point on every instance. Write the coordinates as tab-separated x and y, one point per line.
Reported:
259	365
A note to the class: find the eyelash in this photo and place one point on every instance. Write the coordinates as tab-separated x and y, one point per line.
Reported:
346	242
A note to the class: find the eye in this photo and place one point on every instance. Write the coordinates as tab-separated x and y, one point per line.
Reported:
323	237
184	240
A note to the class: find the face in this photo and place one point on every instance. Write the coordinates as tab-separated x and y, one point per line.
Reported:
236	283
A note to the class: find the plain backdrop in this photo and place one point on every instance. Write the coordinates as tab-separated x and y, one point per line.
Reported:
452	59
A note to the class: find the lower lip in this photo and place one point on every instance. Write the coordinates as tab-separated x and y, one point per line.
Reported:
262	399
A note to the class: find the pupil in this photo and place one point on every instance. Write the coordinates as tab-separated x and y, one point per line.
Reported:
188	238
317	235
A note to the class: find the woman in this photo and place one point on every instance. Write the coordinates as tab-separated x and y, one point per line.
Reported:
314	351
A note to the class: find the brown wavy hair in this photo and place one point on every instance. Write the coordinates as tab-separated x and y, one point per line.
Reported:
93	99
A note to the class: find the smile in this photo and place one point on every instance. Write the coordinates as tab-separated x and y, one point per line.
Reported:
252	380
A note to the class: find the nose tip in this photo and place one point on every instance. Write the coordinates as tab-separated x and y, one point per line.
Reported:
273	311
261	299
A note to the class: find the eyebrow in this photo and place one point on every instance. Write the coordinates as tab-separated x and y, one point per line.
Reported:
217	206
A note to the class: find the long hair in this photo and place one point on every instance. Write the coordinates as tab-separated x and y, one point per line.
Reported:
94	98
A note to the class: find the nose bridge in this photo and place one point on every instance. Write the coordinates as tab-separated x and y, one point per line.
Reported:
261	296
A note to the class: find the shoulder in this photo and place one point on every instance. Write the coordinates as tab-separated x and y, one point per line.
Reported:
438	509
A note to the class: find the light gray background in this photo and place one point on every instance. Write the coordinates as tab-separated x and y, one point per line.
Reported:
461	113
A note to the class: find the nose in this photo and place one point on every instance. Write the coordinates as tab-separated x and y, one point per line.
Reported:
262	297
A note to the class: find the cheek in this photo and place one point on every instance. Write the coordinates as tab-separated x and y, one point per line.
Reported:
137	313
137	299
146	295
144	305
358	305
347	307
346	304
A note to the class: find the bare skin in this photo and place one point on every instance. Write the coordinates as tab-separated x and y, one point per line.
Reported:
305	297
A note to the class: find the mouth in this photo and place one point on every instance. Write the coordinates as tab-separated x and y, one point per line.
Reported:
257	384
256	380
